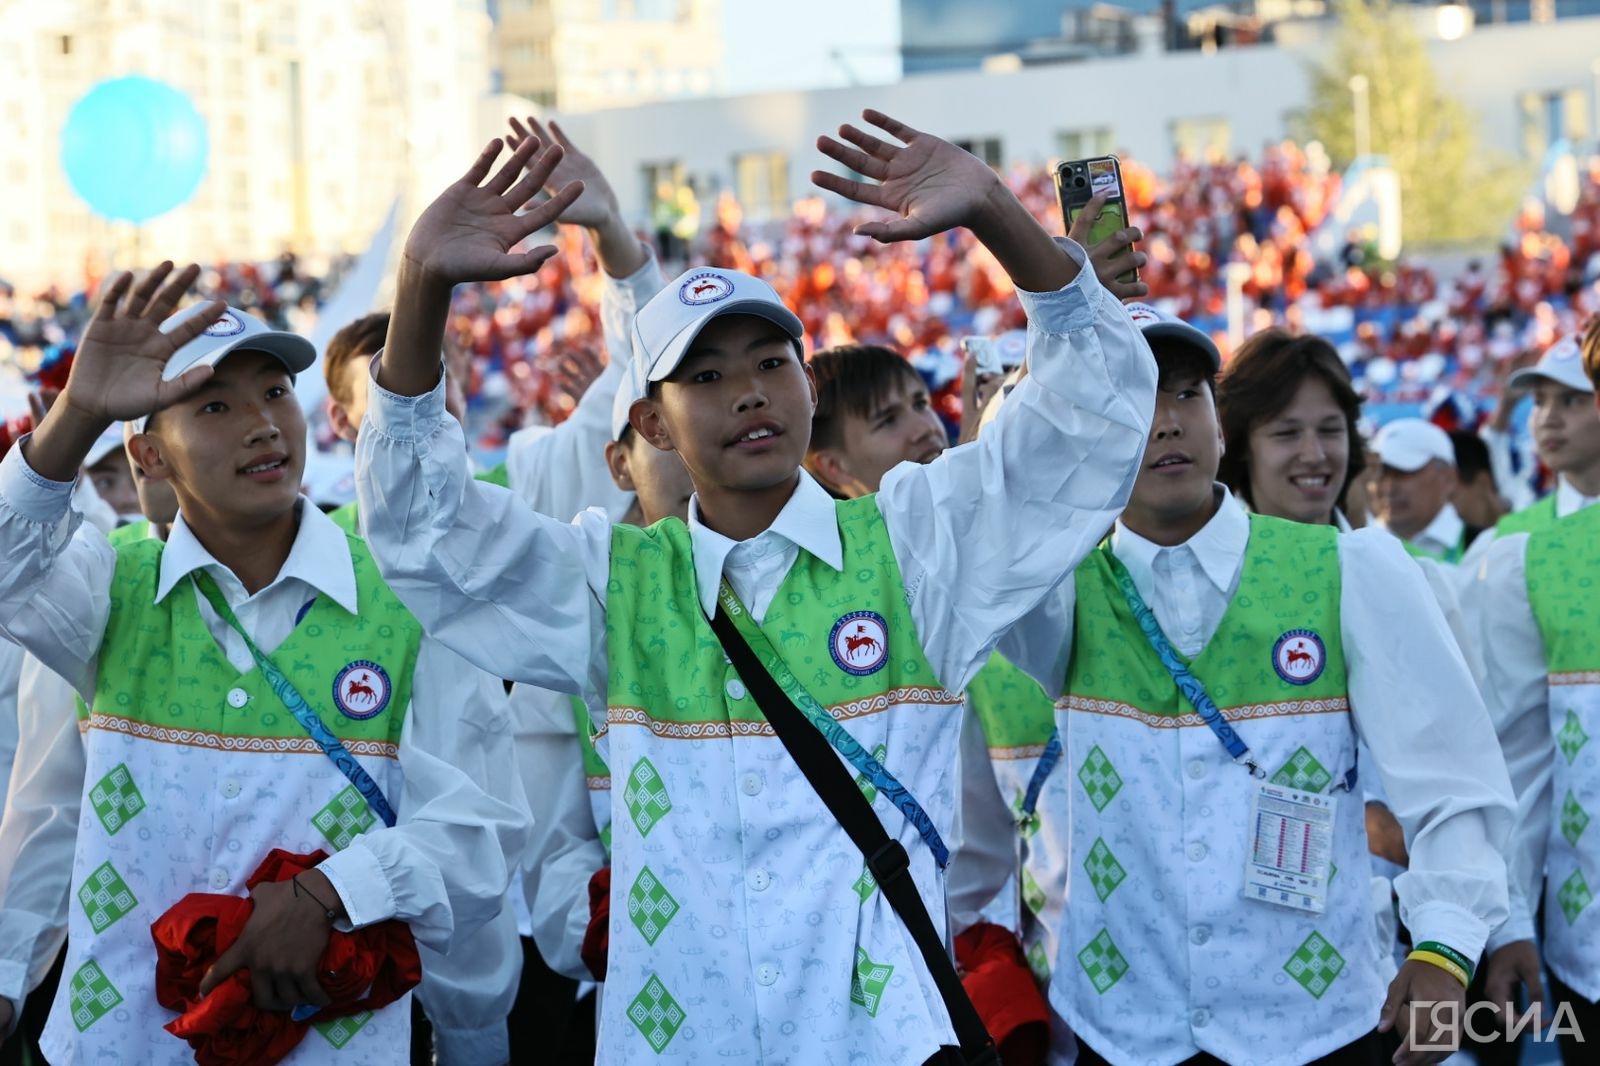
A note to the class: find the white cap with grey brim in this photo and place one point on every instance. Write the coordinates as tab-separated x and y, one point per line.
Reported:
1158	325
1562	363
1409	444
665	327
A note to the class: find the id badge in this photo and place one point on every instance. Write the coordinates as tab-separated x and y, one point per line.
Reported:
1290	848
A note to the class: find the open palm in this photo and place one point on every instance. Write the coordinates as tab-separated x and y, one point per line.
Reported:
929	182
598	204
468	233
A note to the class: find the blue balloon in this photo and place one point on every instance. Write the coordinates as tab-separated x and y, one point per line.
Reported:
134	148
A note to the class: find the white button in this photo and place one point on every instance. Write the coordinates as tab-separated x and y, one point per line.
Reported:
1200	1018
1200	934
766	974
1197	851
736	689
238	698
759	880
219	878
750	784
1197	769
230	788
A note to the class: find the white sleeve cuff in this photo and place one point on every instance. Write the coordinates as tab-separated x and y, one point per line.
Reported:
405	418
1447	924
362	885
31	494
488	1046
1073	306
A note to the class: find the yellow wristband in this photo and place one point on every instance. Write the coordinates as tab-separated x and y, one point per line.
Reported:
1443	963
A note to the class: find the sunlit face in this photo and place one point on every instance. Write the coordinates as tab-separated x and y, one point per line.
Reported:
1181	457
658	478
157	502
1566	428
902	427
1406	502
1299	457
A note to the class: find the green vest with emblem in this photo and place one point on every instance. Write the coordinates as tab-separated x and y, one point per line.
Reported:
1161	822
1563	578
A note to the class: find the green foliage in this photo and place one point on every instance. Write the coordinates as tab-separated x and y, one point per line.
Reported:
1452	190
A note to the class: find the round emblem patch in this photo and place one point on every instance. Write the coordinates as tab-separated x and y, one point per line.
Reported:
1299	656
704	288
227	326
361	690
860	643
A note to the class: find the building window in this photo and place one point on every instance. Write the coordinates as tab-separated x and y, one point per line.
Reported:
761	180
1205	139
1553	116
1085	144
661	183
985	148
66	45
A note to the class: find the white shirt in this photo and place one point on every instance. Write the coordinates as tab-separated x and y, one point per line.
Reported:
10	675
1442	535
442	870
1411	694
1569	501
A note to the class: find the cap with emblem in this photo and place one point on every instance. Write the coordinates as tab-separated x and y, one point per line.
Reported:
666	326
1562	362
630	390
233	331
1409	444
1157	325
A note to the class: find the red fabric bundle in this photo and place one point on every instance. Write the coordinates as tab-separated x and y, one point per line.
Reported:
372	968
597	937
1002	987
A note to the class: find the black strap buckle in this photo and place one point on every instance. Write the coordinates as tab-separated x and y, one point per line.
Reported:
889	862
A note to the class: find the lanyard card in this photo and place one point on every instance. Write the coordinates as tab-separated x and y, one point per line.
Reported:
1291	842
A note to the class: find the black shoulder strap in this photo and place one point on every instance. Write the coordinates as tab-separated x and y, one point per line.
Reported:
885	857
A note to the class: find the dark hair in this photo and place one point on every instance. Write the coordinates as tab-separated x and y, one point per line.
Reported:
1591	352
1261	380
363	337
1178	362
853	379
1472	455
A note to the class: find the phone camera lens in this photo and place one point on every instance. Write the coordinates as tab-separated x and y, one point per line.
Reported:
1079	182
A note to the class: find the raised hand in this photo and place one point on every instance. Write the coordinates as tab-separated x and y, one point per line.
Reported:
468	233
598	204
117	372
1113	256
930	183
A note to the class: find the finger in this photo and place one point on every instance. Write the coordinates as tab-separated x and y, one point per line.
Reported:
548	211
519	132
308	989
480	166
892	230
854	158
512	168
139	298
893	126
111	295
182	387
849	188
1130	290
865	141
530	261
561	136
223	968
537	177
1391	1005
539	130
173	291
1535	985
191	328
1083	225
36	408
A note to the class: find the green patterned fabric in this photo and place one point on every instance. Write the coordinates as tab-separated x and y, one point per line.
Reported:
129	533
496	475
160	666
1541	514
1562	596
347	518
1013	710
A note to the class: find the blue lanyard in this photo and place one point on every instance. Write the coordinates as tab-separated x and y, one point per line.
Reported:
837	736
284	689
1041	771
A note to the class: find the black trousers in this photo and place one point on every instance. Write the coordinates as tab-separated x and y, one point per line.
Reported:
1587	1017
1374	1049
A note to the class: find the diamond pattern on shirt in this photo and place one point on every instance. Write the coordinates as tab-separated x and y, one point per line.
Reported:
1572	738
346	817
866	884
656	1014
1102	962
1303	773
868	982
1039	963
340	1031
879	753
1314	965
646	798
1574	896
92	996
105	897
1574	819
1033	896
116	799
1100	779
1105	872
650	905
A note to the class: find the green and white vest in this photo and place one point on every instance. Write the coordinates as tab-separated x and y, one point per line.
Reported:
1541	514
596	774
1161	954
194	772
1563	575
744	925
1018	718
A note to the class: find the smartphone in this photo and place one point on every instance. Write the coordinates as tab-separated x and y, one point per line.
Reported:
997	355
1078	181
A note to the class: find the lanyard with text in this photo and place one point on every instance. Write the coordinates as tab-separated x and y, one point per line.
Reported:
296	704
837	736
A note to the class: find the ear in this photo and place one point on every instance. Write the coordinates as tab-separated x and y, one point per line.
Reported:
830	468
811	384
645	418
617	463
339	419
145	449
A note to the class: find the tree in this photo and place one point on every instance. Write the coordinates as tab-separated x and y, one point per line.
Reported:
1451	188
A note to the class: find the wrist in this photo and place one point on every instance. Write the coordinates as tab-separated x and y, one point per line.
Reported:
619	251
314	887
60	444
1445	958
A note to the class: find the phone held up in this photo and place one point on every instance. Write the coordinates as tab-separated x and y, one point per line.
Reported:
1078	181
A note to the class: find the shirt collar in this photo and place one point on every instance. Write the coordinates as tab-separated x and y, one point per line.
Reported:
1569	500
1219	547
808	521
320	557
1444	532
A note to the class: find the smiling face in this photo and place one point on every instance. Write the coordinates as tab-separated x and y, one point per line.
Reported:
1300	456
1173	495
1566	431
737	408
234	452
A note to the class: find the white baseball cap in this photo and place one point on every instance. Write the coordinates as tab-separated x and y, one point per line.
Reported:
666	326
108	442
1156	325
631	389
1562	362
1409	444
233	331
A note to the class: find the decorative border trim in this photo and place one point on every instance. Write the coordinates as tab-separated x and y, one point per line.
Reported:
1581	677
598	783
723	729
1025	751
1246	713
200	738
